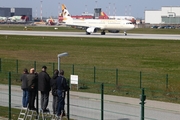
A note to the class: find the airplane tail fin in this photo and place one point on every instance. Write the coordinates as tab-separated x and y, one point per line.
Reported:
65	14
103	16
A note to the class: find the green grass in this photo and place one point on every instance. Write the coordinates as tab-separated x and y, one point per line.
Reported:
150	55
154	58
5	114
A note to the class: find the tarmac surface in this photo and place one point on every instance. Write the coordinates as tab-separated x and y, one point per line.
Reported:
97	35
122	108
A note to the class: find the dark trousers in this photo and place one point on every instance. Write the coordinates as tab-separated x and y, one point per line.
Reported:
25	98
32	95
61	102
44	100
55	104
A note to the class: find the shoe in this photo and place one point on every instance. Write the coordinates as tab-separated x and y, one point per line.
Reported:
46	110
33	109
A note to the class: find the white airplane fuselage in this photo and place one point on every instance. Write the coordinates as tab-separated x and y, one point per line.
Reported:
103	24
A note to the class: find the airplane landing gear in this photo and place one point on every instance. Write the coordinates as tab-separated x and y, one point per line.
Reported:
87	33
103	33
125	33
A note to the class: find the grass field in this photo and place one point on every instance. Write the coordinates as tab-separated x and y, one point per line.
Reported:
150	56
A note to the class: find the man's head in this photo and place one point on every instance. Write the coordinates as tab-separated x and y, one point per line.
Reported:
56	72
32	70
44	68
61	72
25	70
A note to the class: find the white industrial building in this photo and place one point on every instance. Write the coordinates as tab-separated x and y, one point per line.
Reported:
167	15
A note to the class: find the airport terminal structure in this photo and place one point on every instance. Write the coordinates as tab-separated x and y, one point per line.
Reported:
18	12
167	15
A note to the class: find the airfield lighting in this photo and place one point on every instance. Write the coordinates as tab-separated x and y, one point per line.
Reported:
59	56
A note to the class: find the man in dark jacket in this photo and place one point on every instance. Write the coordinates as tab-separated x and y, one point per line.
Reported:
32	78
54	90
44	87
24	87
62	88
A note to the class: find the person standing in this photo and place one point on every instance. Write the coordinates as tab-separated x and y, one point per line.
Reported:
24	87
62	88
32	78
44	88
53	83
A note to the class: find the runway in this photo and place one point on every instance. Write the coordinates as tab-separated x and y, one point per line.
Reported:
94	35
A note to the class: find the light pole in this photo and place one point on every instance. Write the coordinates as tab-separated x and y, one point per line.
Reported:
85	8
41	10
59	56
109	8
129	10
96	4
59	7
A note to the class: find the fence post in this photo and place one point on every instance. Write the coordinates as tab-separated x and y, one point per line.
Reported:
140	79
94	74
17	66
142	98
167	82
73	69
53	68
0	64
68	102
9	80
102	101
116	76
35	65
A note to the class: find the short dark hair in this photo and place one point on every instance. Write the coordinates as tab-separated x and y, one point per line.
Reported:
56	72
25	70
44	67
61	72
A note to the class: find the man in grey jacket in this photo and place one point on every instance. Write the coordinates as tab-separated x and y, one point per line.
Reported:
24	87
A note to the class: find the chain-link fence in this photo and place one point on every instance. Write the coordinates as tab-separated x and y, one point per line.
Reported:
99	91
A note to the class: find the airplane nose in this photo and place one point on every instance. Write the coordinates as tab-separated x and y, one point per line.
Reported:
133	26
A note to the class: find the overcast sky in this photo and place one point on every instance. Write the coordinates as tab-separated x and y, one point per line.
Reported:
76	7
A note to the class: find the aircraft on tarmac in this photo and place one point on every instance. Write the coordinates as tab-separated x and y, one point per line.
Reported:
130	18
93	25
51	21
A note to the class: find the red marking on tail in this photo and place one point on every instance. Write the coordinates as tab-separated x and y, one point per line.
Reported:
103	16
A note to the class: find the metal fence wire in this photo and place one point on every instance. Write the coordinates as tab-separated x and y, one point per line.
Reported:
98	95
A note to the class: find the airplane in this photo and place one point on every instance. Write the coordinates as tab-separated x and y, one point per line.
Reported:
105	16
51	21
93	25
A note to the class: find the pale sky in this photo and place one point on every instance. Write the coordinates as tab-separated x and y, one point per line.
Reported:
77	7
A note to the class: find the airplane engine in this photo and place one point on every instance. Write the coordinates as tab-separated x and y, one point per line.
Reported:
113	31
91	30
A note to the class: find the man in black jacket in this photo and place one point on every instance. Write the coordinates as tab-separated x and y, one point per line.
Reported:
44	87
32	78
54	90
62	88
24	87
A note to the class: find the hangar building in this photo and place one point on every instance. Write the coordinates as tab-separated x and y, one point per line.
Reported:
167	15
9	12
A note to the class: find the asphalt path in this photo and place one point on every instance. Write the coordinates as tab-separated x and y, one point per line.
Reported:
97	35
87	106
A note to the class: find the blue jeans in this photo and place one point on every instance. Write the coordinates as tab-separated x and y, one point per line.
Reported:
25	98
61	101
